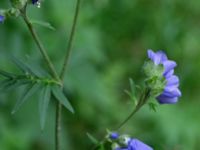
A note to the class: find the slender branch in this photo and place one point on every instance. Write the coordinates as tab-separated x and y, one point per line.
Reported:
39	44
142	100
71	37
58	125
62	74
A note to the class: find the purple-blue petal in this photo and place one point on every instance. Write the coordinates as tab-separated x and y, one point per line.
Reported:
114	135
167	100
169	65
121	148
136	144
150	54
172	80
157	57
2	18
171	92
169	74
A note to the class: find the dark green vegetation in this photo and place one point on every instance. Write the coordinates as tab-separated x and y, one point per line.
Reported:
110	46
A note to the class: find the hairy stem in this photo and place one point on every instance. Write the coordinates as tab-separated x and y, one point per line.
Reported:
39	44
62	75
143	99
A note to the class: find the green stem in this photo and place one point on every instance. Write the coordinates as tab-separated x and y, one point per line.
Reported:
39	44
142	100
71	37
62	74
58	125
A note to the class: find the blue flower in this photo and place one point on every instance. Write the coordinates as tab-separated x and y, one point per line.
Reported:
171	92
34	1
114	135
2	18
135	144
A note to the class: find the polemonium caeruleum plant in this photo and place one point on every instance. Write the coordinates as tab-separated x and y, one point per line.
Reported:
160	82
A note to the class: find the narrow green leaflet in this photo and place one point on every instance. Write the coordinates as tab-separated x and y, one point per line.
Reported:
6	74
31	89
152	106
43	24
4	84
8	85
132	86
43	104
92	138
25	68
59	95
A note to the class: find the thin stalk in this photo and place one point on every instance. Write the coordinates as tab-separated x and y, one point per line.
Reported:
62	74
58	125
39	44
70	42
142	100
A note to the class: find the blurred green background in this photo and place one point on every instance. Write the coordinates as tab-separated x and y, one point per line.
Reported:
110	46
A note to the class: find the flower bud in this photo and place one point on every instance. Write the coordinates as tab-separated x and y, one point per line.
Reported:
2	18
154	78
124	139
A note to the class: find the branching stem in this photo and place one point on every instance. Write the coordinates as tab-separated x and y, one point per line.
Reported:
62	75
39	44
50	64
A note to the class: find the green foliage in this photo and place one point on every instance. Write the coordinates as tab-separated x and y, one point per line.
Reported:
92	139
43	104
43	24
28	92
33	83
132	92
59	95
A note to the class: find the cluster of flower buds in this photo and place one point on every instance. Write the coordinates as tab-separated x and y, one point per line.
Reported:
124	142
17	5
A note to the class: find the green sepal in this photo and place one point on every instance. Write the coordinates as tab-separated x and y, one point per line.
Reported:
154	78
152	106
